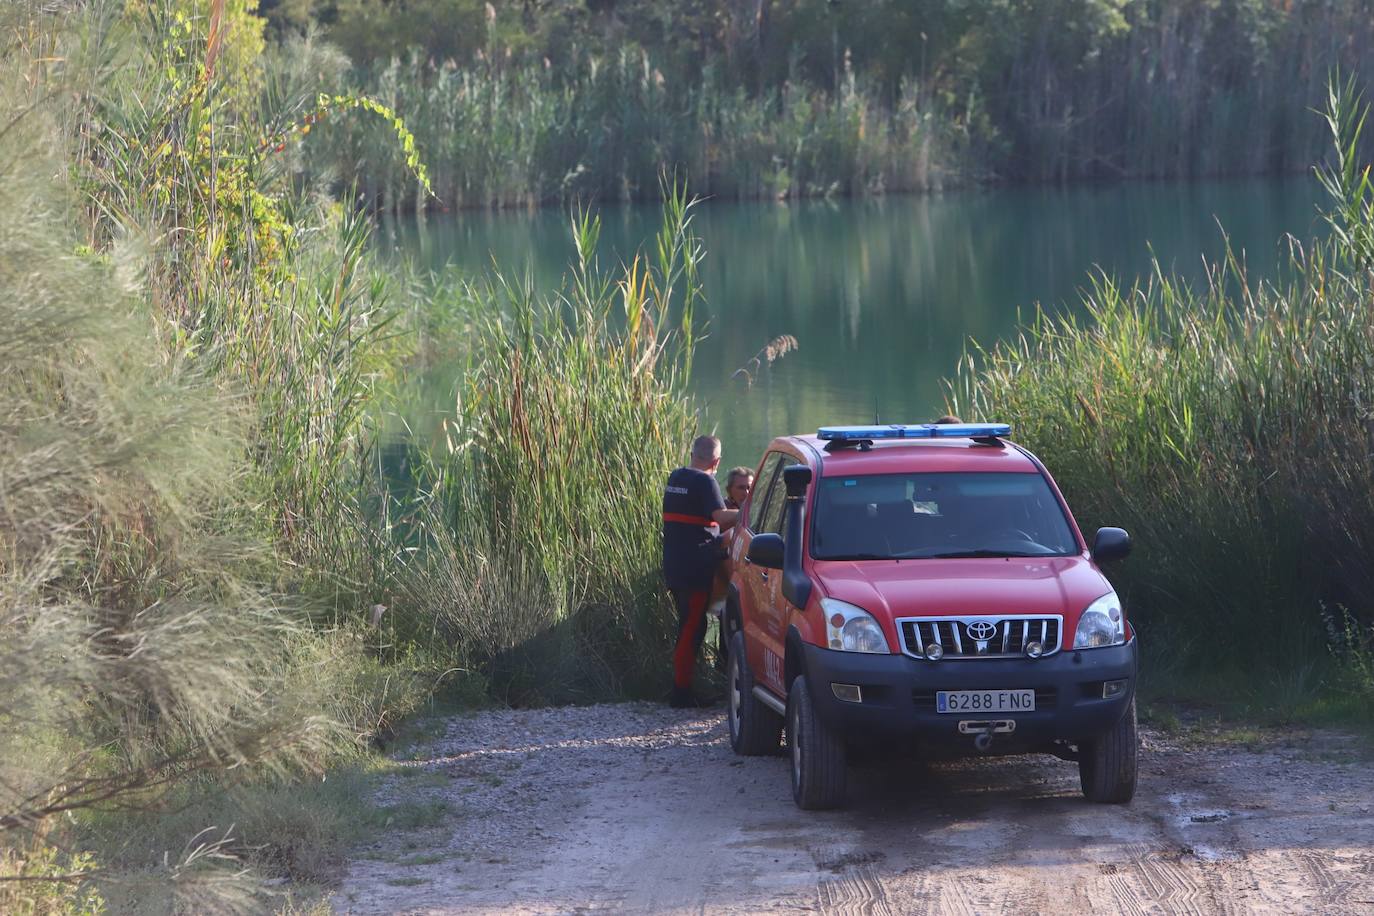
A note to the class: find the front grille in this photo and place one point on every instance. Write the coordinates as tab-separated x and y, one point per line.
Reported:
981	637
1045	698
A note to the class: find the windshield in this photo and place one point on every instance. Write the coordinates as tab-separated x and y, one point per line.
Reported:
914	516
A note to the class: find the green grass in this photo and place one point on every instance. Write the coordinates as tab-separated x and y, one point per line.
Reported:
302	830
410	815
421	778
422	859
1327	702
1158	715
1204	722
298	829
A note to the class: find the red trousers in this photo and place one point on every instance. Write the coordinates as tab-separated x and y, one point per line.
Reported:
691	630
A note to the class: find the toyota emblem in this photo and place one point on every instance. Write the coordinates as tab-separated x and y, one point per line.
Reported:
982	630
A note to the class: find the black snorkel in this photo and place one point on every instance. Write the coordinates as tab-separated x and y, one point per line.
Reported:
796	584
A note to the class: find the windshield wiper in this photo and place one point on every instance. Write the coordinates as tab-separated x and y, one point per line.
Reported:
966	554
859	556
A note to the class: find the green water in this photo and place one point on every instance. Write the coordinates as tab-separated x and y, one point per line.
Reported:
883	295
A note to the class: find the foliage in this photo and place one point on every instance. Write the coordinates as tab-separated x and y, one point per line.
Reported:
233	38
515	103
250	281
37	879
191	346
519	134
1348	182
138	650
327	103
536	547
1353	645
1229	428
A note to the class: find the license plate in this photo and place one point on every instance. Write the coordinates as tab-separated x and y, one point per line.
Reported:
984	701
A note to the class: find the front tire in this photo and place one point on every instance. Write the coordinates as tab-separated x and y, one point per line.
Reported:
754	728
1107	765
817	753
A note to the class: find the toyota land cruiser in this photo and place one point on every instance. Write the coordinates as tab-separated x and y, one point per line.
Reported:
924	585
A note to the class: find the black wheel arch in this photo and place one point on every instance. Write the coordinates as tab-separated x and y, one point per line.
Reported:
734	617
794	658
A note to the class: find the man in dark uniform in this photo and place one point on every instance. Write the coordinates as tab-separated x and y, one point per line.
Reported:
693	517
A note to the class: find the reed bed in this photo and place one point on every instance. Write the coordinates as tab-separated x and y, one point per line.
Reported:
862	105
535	537
1167	89
1228	426
524	135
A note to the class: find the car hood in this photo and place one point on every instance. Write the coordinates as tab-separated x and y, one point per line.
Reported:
1011	585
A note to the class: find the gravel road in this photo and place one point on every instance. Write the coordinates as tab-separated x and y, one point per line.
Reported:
641	809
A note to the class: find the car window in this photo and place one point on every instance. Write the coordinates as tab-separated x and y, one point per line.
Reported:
897	516
758	496
768	517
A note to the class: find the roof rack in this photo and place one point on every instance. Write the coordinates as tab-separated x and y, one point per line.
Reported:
863	437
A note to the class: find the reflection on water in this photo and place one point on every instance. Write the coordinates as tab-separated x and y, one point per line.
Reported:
883	294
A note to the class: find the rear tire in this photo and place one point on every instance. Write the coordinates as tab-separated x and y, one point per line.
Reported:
817	753
1107	765
754	728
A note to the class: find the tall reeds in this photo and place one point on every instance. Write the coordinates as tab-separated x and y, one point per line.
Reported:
1168	88
1043	91
536	541
502	134
1228	426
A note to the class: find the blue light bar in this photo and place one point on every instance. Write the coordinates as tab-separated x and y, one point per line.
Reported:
914	431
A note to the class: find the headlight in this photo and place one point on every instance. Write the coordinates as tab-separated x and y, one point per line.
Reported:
852	629
1102	624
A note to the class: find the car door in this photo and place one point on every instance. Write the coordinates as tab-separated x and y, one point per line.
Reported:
754	581
767	629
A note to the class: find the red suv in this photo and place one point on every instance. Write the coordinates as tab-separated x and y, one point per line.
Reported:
924	585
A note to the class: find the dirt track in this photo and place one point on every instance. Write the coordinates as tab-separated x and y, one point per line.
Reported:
642	809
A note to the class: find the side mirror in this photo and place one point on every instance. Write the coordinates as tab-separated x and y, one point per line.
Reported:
1111	544
797	477
766	550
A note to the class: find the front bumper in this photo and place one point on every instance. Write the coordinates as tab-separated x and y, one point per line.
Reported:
898	695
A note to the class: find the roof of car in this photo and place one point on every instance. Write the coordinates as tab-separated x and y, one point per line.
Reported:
906	456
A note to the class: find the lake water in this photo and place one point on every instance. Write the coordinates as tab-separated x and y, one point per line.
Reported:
883	295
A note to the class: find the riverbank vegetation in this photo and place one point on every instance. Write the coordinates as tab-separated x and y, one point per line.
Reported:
188	349
527	103
216	590
1228	427
573	411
